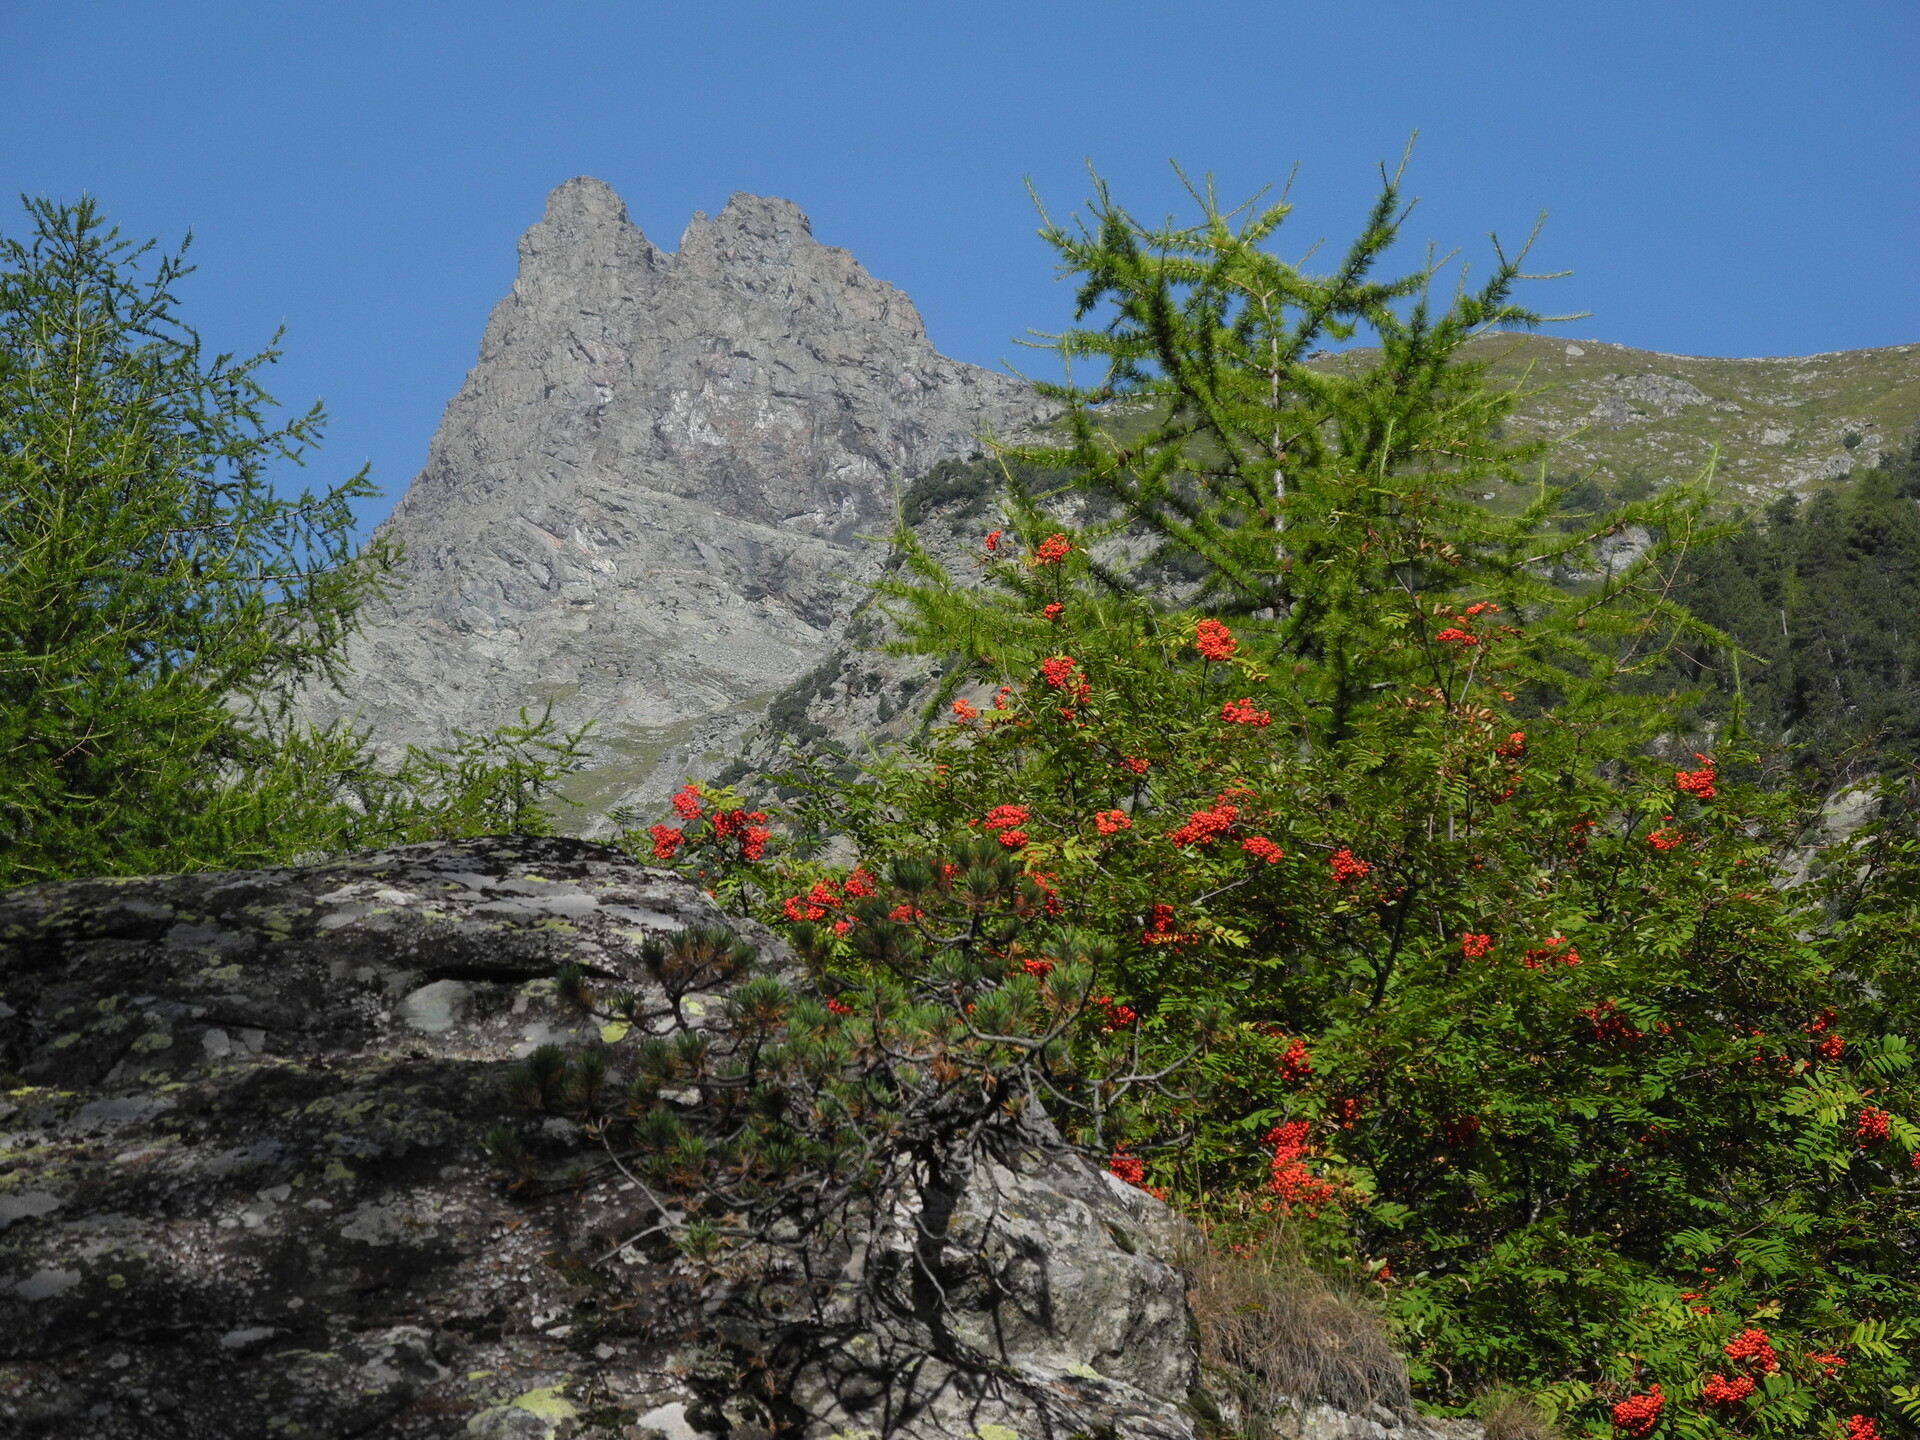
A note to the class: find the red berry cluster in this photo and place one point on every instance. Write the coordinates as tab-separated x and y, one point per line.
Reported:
814	905
1462	635
1556	949
1214	641
1203	827
1004	822
750	826
1638	1414
1290	1178
1062	674
1261	848
1753	1350
1697	783
1161	928
1244	714
1719	1390
1347	867
1297	1064
1834	1045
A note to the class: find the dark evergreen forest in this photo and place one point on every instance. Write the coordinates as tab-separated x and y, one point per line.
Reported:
1822	594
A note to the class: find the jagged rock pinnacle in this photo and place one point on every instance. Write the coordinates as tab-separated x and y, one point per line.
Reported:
645	504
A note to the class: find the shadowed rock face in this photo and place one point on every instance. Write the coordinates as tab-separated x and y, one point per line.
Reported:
240	1186
645	502
242	1194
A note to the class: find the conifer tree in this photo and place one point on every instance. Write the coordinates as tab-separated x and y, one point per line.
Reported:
1818	594
1336	501
162	599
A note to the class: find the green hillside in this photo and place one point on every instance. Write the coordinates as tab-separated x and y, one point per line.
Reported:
1781	424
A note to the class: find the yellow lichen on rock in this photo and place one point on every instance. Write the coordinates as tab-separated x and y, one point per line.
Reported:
546	1405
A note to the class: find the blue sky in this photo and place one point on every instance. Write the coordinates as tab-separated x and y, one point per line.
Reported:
1723	178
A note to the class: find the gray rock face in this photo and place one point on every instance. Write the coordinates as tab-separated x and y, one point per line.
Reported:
296	1233
239	1174
1061	1312
645	503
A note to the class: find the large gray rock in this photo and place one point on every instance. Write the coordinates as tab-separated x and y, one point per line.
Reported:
240	1175
1020	1289
242	1194
645	504
241	1190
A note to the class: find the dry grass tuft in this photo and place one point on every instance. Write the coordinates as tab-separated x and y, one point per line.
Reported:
1277	1330
1513	1415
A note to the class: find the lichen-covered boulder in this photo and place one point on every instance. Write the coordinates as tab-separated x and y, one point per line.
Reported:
240	1186
242	1190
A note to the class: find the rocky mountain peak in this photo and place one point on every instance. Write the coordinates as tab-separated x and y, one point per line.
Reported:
752	232
582	200
584	242
646	504
764	246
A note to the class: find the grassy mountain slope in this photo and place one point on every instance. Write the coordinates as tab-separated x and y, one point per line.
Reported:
1624	415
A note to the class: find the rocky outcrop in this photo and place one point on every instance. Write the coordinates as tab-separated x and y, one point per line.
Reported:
1059	1313
242	1190
646	503
242	1193
240	1181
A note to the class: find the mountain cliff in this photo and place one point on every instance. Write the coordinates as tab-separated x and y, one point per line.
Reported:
645	504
